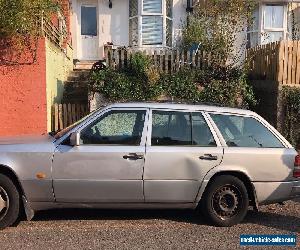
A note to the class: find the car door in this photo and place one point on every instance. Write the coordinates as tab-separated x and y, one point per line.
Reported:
181	149
108	164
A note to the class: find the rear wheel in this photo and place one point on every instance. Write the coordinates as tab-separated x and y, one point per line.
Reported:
9	202
225	202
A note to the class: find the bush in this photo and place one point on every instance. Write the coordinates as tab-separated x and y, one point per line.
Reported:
141	81
291	126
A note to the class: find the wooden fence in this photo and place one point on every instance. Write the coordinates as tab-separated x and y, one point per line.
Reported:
279	61
166	60
63	115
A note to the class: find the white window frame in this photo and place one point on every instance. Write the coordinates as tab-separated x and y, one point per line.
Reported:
284	29
261	21
164	16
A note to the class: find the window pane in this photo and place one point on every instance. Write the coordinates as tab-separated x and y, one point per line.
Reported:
133	31
169	32
169	4
133	8
152	6
255	20
171	128
245	132
274	16
88	21
152	30
269	37
202	135
252	39
117	127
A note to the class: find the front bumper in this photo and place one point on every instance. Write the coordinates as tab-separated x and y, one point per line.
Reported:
272	192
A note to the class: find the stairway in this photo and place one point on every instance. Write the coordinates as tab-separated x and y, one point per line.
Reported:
76	86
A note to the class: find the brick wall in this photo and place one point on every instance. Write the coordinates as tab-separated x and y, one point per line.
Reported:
23	95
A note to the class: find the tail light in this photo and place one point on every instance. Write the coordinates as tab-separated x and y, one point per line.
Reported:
297	167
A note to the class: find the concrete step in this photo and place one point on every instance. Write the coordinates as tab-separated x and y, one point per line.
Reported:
84	65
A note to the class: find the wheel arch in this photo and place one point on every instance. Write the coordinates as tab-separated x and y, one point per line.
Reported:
9	172
238	174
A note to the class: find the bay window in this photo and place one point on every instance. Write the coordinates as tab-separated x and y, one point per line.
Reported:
150	23
269	24
274	23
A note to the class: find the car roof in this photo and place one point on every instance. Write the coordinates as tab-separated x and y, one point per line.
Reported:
182	106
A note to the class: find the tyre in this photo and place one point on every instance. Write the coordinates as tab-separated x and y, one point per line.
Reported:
225	202
9	202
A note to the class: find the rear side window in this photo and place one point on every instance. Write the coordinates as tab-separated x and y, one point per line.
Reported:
180	129
239	131
171	128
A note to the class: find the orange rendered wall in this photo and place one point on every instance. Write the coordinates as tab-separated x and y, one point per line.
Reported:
23	101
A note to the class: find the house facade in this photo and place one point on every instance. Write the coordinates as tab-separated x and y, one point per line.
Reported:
140	24
157	24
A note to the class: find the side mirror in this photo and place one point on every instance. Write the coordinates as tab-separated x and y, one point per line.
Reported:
75	139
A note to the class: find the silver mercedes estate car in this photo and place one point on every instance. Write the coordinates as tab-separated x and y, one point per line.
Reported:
217	160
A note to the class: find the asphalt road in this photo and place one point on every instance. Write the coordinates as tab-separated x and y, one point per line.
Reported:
168	229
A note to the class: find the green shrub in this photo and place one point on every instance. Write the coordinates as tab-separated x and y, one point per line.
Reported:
141	81
291	126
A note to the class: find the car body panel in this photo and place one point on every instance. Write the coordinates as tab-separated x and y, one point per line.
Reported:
177	171
27	157
97	173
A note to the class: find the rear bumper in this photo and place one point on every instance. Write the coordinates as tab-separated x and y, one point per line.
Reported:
272	192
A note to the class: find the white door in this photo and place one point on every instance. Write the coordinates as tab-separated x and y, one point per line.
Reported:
89	33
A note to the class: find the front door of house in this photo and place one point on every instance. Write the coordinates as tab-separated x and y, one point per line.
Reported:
89	31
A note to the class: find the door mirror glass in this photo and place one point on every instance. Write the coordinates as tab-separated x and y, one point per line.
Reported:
75	139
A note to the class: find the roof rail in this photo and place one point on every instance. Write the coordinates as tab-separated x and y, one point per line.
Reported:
187	102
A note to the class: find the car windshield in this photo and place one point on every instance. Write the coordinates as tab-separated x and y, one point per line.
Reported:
60	133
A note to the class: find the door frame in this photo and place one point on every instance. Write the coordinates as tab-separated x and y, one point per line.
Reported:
81	127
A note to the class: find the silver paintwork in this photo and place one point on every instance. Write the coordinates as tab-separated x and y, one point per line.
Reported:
165	177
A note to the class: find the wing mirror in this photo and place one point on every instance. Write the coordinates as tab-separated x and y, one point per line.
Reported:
75	139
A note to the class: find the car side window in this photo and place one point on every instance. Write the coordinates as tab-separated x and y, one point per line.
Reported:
116	127
202	135
171	128
239	131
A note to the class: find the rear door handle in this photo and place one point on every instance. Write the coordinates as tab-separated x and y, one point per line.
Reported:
133	156
208	157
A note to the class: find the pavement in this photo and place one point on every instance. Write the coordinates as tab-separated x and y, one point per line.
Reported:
144	229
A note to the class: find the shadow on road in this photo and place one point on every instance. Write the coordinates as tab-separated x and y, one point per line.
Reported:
187	216
267	219
274	220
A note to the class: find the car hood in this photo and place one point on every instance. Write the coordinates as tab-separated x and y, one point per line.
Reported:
26	140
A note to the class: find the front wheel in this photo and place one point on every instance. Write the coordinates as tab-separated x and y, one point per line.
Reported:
225	202
9	202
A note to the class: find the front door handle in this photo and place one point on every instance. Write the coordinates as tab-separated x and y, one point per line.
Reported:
208	157
133	156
